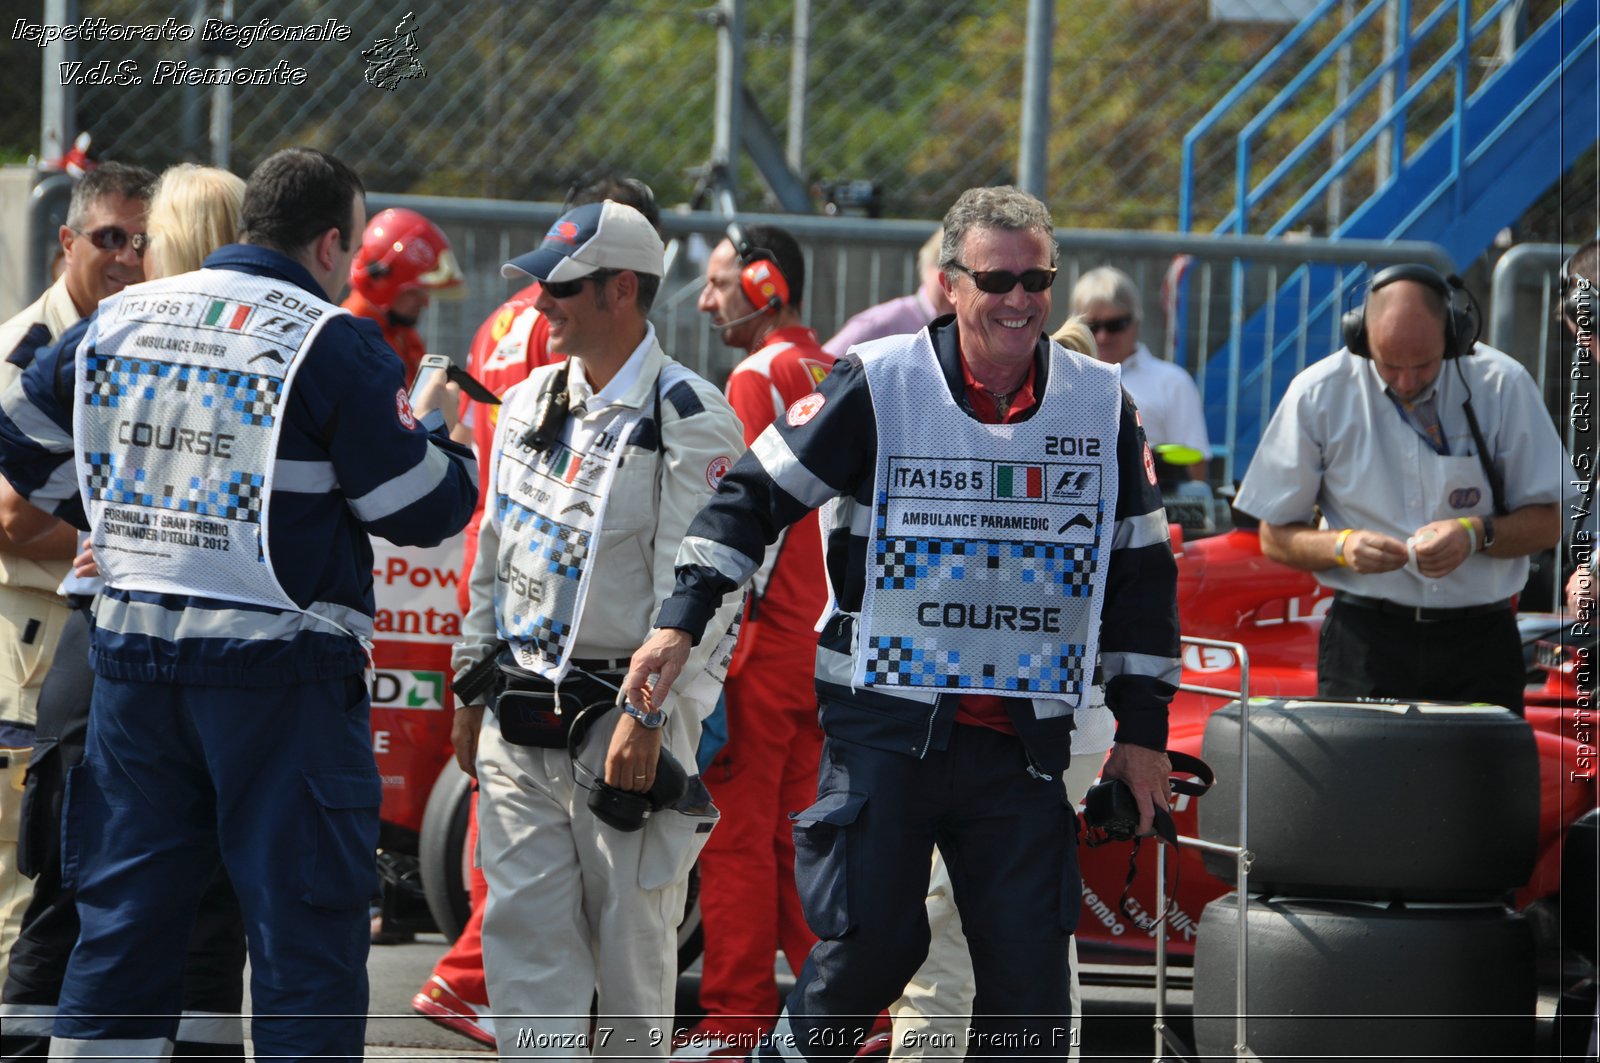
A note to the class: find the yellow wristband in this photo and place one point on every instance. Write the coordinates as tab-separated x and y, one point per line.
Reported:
1472	534
1338	548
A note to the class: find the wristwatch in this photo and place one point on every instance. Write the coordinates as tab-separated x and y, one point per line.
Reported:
650	721
1488	532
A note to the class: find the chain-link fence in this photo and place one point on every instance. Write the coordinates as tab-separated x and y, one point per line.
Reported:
921	97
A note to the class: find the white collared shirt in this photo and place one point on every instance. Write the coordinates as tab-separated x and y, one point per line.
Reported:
1168	401
1338	442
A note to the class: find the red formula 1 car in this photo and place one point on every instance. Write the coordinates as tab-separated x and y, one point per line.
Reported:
422	839
1227	591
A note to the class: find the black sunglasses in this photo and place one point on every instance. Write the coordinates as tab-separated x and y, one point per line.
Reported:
1110	326
114	238
1001	281
567	289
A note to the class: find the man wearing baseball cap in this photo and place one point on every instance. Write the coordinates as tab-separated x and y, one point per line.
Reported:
599	463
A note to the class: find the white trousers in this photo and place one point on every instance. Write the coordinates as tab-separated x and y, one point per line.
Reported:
577	907
936	1008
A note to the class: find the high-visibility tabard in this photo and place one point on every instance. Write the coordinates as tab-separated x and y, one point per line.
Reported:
181	384
986	566
551	506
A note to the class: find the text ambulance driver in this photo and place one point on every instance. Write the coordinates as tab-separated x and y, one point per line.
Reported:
954	737
599	464
235	617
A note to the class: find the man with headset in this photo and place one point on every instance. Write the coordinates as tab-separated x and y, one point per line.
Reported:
599	463
1429	502
755	284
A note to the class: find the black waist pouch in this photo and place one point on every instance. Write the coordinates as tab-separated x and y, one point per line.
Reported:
533	712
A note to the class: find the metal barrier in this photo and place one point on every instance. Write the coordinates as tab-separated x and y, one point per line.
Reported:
852	263
47	212
1525	316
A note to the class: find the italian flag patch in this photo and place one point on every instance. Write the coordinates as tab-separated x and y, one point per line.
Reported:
1019	481
223	314
565	466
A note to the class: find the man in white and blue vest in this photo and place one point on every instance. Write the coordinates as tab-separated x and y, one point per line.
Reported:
599	463
994	524
231	437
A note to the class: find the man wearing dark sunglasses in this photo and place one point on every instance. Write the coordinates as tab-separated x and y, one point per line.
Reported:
509	344
1169	403
106	212
599	464
994	523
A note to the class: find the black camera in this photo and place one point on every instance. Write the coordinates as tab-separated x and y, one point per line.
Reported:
1109	806
625	809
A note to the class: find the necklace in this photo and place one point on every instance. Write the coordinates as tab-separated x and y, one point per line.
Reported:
1002	401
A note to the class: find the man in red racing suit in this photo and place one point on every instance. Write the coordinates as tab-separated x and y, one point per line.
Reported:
768	768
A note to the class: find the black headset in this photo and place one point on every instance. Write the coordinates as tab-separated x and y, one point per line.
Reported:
1462	317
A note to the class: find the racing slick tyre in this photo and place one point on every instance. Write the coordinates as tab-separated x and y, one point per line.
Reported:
1376	800
1346	980
442	850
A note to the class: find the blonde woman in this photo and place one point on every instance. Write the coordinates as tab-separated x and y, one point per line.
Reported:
193	211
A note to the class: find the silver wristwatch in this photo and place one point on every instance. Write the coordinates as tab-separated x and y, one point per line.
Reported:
651	721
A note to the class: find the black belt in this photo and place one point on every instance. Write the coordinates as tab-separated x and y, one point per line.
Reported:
602	664
1418	613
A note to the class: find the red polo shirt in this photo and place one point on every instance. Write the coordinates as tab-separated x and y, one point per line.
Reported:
987	710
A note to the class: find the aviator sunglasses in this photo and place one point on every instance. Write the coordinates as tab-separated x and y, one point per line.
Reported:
1001	281
567	289
114	238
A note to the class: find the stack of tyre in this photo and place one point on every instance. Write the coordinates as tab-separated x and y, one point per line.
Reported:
1387	838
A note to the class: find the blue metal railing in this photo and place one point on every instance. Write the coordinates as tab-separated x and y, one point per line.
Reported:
1231	100
1444	136
1456	59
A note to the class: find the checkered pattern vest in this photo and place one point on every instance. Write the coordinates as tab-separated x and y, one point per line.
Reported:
986	563
551	506
181	387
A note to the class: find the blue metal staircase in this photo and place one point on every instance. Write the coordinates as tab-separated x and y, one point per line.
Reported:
1500	145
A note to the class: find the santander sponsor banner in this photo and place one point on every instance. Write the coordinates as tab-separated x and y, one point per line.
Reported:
416	591
416	623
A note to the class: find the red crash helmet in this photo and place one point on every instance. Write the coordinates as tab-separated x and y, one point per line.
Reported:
402	250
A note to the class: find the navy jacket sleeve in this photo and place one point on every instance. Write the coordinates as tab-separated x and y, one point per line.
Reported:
1139	625
788	471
